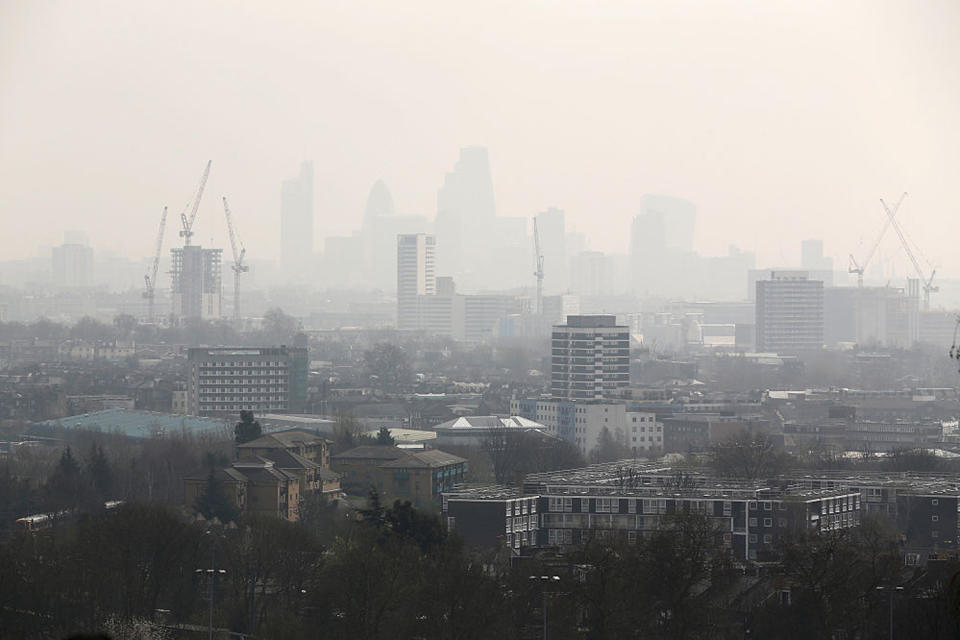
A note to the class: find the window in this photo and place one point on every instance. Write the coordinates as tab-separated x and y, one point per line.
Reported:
753	506
768	522
753	522
631	506
934	518
934	502
767	506
767	538
727	507
753	538
604	505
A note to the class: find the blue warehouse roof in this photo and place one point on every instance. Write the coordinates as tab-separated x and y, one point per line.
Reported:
138	424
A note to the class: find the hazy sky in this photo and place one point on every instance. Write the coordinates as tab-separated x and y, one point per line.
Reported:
780	119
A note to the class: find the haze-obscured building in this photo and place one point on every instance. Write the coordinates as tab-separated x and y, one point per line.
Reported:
73	261
296	224
196	286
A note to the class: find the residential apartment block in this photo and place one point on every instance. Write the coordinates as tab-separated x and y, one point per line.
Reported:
581	423
590	358
625	500
789	313
261	379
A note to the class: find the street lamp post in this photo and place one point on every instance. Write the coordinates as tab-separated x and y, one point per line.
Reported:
543	580
892	591
211	574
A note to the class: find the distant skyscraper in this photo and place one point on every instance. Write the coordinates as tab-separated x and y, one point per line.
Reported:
379	204
661	241
591	358
73	261
465	209
789	312
296	223
468	189
676	219
416	275
811	256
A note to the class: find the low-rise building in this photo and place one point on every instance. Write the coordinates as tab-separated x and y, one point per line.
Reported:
625	500
398	474
254	487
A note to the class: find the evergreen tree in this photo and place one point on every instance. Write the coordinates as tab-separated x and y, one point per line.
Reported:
214	503
101	475
64	487
384	437
247	429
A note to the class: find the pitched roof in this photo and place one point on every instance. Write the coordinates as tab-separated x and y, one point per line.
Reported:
464	423
372	452
431	458
284	459
284	440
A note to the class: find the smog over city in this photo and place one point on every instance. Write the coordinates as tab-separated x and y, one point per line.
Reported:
479	320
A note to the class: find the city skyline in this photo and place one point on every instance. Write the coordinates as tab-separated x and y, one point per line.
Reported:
850	104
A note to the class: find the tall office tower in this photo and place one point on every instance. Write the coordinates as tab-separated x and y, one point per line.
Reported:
592	273
416	275
196	282
789	313
465	207
661	241
296	224
591	358
552	227
811	256
73	261
379	204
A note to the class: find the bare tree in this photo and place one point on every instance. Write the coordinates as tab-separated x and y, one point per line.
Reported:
748	456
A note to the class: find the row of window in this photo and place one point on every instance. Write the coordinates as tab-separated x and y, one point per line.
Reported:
242	364
521	523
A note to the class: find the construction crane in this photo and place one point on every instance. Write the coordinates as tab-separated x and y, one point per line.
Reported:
237	266
187	221
150	278
539	271
860	268
926	283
